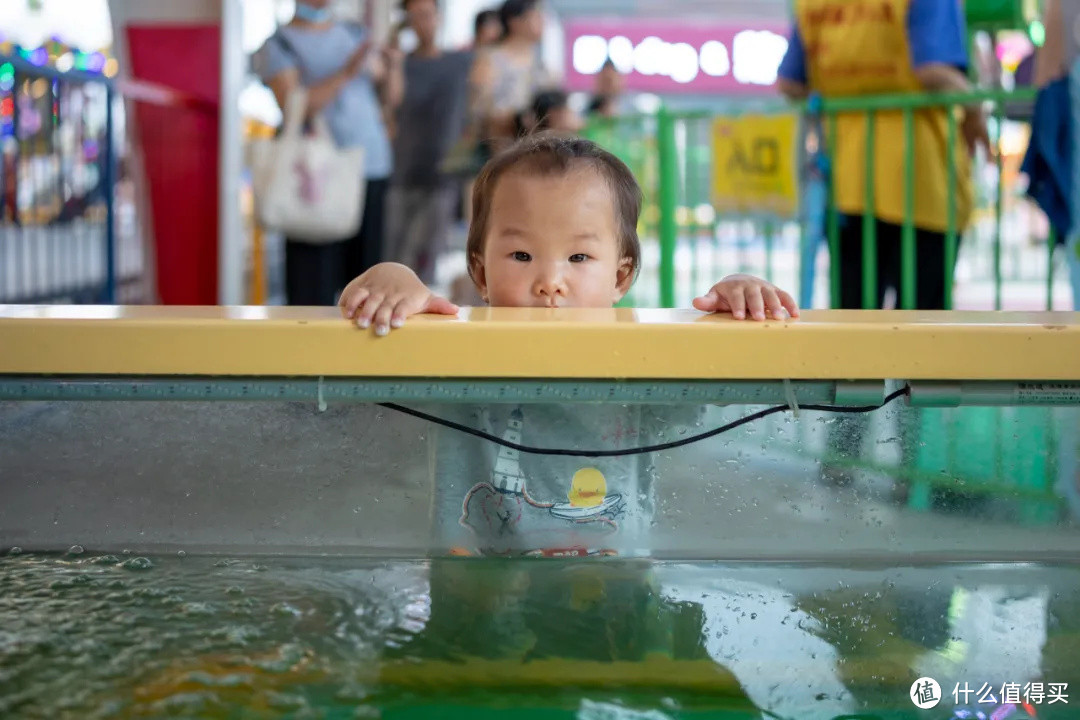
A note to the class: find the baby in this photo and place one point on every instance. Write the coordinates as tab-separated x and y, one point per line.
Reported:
554	225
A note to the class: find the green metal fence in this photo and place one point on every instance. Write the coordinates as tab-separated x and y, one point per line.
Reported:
688	244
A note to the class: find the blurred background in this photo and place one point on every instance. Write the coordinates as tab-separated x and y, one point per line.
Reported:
124	125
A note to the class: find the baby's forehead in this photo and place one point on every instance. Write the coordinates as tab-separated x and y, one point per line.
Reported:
578	184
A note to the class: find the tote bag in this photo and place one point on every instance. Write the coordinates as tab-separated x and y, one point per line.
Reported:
305	186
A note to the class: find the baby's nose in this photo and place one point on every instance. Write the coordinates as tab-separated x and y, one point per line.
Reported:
550	284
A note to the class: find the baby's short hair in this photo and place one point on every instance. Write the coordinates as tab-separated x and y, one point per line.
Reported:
547	154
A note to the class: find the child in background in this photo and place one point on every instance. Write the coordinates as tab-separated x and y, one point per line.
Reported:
550	111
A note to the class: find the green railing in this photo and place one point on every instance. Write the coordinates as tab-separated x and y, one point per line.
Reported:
671	155
687	244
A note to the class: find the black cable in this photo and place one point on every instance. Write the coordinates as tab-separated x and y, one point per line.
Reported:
649	448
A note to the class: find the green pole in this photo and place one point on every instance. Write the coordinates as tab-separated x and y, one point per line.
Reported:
833	219
693	188
999	203
907	236
669	185
1051	242
869	223
950	208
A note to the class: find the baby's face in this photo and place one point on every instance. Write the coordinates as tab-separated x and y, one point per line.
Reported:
553	241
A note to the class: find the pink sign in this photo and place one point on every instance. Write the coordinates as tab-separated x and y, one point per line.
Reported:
677	57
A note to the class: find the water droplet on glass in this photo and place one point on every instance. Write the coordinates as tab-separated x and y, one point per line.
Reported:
137	563
181	554
76	550
15	551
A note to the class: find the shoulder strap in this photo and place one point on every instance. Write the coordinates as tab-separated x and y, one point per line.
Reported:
286	45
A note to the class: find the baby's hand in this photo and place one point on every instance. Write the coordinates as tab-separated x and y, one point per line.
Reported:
387	294
739	294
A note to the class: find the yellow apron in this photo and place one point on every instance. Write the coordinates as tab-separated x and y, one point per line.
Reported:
860	47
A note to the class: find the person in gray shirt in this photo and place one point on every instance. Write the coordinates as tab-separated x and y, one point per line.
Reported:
349	83
430	120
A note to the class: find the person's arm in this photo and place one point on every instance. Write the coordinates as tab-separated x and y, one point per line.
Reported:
392	86
938	55
322	93
792	90
792	80
1050	58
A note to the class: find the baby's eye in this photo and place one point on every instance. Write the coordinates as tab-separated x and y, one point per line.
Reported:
579	257
522	256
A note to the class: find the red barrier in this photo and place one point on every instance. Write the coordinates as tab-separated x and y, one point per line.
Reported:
175	71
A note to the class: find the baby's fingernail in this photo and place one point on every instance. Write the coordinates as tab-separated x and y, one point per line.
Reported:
738	315
381	330
362	323
396	322
779	314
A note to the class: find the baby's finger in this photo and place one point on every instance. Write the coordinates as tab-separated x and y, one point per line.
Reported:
755	303
371	305
736	300
402	309
789	304
440	305
707	302
383	315
352	299
772	303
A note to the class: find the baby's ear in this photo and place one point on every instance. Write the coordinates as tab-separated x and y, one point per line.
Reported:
624	278
479	277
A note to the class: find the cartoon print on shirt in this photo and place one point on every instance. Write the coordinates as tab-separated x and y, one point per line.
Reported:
497	507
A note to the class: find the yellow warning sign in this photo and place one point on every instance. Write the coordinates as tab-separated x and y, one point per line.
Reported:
755	164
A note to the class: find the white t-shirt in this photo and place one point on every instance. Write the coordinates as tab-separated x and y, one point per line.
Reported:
493	500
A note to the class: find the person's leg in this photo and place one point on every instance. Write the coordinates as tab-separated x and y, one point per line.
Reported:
931	275
888	261
850	261
396	222
417	205
815	199
436	217
365	249
312	272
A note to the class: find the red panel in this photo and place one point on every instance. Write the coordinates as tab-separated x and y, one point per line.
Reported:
180	146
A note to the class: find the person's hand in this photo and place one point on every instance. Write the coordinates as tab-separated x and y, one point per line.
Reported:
387	294
355	64
745	294
973	127
393	55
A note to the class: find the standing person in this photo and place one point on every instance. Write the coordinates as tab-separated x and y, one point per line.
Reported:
430	119
889	47
1057	75
507	76
607	92
347	81
487	29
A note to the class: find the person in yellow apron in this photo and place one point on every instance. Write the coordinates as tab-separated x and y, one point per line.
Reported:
844	48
